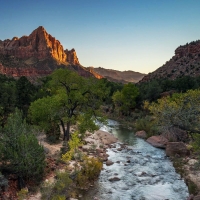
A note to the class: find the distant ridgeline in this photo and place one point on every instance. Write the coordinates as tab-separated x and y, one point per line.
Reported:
118	76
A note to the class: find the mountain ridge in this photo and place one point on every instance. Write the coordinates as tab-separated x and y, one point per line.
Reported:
36	55
118	76
185	62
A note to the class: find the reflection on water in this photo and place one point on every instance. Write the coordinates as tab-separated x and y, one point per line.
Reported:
123	134
144	172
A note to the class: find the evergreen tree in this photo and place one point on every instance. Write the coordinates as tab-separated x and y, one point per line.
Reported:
20	150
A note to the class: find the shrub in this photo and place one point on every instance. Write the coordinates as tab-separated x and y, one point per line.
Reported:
146	124
58	190
90	170
181	111
22	194
73	143
21	152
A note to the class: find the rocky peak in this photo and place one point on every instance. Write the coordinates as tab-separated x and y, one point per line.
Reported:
71	56
37	55
185	62
38	44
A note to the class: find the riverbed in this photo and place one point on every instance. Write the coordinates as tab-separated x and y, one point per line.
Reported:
139	172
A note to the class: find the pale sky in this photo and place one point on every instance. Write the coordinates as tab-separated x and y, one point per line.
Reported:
138	35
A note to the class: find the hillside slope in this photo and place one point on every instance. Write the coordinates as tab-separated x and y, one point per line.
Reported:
185	62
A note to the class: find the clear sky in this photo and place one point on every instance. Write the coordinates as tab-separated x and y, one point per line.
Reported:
138	35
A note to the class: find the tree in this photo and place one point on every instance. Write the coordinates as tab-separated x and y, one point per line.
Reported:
182	111
149	91
125	100
72	96
20	151
24	93
8	98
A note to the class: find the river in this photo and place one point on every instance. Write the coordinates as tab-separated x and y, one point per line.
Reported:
143	172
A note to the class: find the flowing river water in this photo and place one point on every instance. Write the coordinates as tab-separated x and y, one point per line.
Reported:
139	172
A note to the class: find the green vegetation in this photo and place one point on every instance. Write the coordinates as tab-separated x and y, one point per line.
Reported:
64	99
20	151
72	97
147	124
182	111
125	100
58	190
68	184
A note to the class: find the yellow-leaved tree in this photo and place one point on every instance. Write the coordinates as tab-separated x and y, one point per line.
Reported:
181	111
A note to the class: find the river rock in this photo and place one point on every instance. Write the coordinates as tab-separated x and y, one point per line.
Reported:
141	134
191	197
197	197
158	141
176	148
98	151
112	179
109	162
46	150
192	162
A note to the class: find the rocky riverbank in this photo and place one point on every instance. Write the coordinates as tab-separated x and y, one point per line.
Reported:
95	145
183	160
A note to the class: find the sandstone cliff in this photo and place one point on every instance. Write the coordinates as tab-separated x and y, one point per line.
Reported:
185	62
37	55
118	76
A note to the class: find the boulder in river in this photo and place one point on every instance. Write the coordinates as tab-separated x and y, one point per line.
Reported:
158	141
141	134
176	148
109	162
115	178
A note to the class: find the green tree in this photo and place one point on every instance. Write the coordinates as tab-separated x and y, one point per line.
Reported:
182	111
72	96
7	97
125	100
20	151
149	91
25	91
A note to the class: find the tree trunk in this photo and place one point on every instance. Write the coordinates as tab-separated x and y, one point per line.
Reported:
21	183
63	126
67	132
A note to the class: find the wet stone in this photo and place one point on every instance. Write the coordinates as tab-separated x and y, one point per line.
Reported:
113	179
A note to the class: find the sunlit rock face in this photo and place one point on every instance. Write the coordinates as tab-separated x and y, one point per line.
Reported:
38	54
38	44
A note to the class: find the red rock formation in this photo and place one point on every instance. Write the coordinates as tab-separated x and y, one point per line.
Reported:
28	71
91	70
37	55
38	44
71	57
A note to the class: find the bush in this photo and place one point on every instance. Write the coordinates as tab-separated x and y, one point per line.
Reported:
182	111
22	194
90	170
67	185
146	124
21	152
58	190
